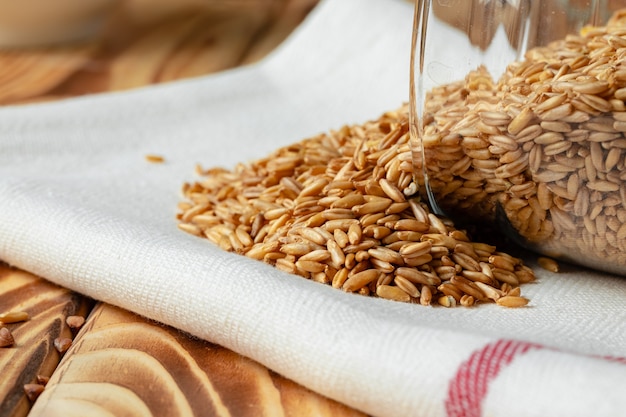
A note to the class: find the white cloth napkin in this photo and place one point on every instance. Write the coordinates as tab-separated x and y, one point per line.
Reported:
80	206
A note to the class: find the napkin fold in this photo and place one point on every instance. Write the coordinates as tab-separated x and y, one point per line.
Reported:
80	206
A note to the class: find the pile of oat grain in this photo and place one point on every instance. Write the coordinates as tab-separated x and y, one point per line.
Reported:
341	209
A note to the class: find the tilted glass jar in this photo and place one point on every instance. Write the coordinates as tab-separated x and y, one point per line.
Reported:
518	117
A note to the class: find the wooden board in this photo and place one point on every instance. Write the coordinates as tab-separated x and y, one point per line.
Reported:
155	370
122	364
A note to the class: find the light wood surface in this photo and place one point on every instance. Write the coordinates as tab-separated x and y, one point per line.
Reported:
146	42
120	364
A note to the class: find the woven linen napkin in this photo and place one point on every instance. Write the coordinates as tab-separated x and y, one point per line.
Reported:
80	206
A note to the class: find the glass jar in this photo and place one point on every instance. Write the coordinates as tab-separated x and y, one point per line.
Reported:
518	118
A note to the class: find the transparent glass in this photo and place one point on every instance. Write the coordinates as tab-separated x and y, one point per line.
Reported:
518	118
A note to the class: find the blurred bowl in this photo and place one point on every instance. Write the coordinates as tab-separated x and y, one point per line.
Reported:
42	22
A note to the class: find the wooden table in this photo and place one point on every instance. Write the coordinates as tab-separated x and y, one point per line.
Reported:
118	363
121	364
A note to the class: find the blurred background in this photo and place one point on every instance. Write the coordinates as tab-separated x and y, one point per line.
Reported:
67	48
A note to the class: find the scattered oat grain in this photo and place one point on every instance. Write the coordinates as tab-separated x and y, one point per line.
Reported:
548	264
6	338
33	391
155	159
14	317
62	344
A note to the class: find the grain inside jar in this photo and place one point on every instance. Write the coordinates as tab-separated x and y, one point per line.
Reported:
542	148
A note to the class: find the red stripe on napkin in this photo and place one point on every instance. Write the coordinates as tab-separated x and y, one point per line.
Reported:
470	385
618	359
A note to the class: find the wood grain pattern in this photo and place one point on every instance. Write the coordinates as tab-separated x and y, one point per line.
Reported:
26	75
124	365
151	42
33	353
